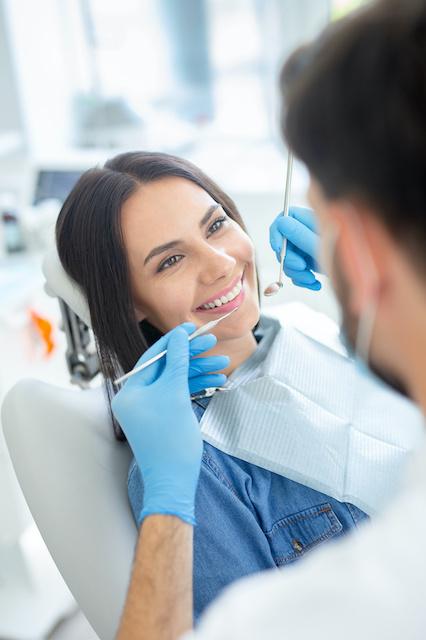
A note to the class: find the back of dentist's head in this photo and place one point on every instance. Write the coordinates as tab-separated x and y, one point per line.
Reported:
91	248
355	114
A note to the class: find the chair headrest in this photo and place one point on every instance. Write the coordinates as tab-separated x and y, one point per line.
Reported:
59	285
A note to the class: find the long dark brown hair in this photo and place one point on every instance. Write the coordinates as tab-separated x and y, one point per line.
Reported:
91	249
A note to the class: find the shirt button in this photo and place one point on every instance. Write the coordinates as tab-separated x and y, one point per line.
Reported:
297	545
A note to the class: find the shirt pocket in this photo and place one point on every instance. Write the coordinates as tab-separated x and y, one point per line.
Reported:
291	537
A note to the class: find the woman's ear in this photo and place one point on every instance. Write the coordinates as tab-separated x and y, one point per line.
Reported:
140	314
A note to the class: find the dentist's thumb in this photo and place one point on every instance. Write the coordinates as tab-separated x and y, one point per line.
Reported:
177	358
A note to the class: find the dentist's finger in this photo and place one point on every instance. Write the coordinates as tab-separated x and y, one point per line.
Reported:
305	216
198	366
316	286
188	326
275	237
298	234
202	343
292	255
204	382
301	277
177	358
293	260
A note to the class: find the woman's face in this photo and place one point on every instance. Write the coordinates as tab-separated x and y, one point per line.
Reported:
188	260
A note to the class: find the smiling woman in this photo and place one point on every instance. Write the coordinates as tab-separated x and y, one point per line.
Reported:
153	243
206	260
175	242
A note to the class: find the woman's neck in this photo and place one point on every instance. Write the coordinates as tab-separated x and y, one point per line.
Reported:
238	350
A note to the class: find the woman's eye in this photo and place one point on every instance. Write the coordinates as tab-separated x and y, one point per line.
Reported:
214	227
217	224
169	262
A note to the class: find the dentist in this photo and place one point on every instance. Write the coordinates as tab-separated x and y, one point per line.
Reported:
356	116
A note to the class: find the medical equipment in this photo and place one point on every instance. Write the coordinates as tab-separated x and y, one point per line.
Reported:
274	287
289	409
82	359
299	228
205	328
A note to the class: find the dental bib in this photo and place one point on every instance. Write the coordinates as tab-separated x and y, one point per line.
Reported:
300	408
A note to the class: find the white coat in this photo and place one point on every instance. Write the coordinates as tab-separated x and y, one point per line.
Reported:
369	585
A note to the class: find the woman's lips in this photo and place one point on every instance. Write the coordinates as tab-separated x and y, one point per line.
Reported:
228	306
224	292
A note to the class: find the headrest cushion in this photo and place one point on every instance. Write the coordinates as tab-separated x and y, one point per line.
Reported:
58	284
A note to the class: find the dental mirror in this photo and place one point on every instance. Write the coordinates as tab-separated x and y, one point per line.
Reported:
274	287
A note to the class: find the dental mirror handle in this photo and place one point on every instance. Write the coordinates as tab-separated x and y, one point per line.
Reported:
285	210
274	287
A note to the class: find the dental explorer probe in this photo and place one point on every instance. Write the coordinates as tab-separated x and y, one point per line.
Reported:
274	287
205	328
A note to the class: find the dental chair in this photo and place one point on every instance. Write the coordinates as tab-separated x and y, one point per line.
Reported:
72	470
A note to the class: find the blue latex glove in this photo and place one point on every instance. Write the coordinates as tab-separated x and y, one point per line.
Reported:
154	410
300	229
199	374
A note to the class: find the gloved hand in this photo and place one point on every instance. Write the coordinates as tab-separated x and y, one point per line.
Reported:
299	227
154	410
199	374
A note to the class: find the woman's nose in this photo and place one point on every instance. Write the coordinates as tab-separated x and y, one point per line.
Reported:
216	264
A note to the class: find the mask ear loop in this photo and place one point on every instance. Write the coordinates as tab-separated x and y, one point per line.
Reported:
329	240
364	334
364	330
368	314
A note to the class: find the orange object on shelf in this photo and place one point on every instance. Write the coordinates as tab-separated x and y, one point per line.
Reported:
45	330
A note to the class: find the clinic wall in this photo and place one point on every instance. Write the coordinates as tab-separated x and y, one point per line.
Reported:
10	119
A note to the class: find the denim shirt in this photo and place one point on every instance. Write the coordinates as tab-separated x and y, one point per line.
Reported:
250	519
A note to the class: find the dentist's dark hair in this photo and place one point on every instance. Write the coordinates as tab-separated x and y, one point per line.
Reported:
91	249
355	113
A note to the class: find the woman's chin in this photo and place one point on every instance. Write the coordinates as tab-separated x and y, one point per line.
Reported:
239	324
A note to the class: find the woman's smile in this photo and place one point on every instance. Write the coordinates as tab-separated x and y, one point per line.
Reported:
225	300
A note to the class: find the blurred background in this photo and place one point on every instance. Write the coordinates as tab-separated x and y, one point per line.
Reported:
83	80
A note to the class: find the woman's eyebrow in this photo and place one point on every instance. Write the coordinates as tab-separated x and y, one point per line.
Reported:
206	217
169	245
160	249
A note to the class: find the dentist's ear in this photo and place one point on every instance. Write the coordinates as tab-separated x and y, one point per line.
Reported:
359	254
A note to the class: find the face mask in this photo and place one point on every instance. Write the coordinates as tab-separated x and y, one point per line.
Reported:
358	346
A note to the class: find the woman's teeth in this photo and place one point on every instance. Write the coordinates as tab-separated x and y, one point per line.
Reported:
224	299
